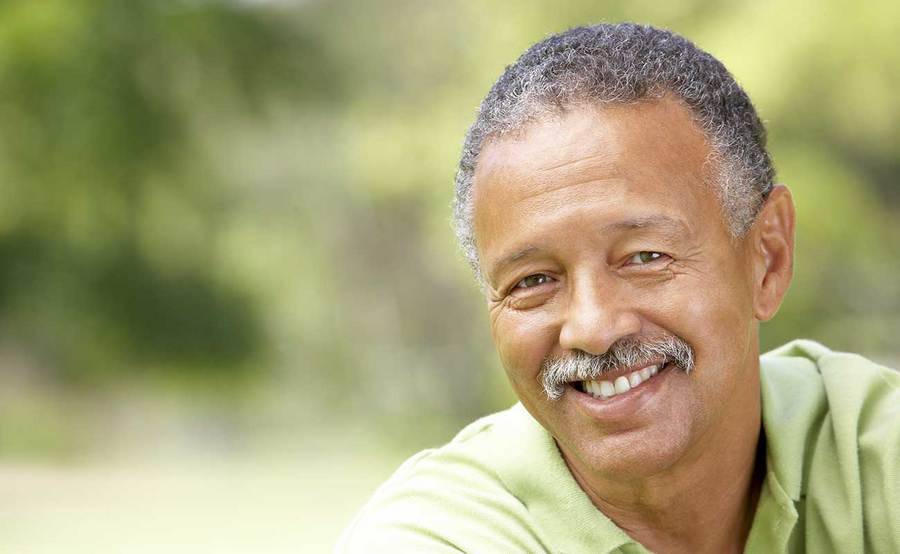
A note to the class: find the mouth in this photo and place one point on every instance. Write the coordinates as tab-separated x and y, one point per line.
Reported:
621	384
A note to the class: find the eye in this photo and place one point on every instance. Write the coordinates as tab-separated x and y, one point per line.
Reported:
533	281
645	257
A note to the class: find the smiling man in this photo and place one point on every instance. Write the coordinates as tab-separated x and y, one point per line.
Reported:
617	204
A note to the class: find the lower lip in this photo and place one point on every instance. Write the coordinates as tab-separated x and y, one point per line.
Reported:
621	405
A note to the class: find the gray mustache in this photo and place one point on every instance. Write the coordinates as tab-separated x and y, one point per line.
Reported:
625	352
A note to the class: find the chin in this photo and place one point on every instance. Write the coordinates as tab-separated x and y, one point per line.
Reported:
627	455
635	461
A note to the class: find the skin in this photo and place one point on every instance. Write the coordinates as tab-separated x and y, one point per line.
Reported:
563	210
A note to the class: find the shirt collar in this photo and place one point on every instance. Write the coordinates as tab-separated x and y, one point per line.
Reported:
790	392
791	389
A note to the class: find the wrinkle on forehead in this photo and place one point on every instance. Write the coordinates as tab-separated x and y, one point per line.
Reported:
527	181
545	194
600	157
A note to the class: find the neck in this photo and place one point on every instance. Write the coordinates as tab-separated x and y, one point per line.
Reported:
704	504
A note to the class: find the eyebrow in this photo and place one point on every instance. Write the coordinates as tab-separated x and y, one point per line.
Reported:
667	224
510	259
661	222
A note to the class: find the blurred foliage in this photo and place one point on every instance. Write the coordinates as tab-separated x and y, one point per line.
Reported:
257	193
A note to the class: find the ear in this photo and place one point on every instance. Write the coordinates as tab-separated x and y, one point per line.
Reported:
773	252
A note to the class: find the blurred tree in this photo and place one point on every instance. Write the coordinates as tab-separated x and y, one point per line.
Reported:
109	205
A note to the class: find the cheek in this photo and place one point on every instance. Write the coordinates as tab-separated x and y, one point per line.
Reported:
718	318
711	310
523	341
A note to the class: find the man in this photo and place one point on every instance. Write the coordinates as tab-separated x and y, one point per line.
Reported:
617	203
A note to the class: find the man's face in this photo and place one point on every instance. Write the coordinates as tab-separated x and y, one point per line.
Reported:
602	225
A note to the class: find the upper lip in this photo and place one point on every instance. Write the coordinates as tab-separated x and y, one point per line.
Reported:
622	371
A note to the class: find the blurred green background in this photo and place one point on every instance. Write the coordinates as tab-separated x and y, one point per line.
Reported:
230	300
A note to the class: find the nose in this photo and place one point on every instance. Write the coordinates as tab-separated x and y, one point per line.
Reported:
597	315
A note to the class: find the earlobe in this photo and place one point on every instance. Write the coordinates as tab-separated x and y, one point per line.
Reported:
773	237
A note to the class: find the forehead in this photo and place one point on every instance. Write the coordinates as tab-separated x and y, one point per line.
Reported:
626	160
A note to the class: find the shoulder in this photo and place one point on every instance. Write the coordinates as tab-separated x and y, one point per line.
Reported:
447	499
858	396
841	414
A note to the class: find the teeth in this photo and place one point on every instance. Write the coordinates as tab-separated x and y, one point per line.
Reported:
635	379
607	389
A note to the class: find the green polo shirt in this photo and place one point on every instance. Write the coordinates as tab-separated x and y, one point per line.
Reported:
832	426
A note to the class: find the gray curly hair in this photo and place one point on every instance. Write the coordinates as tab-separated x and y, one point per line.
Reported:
622	63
